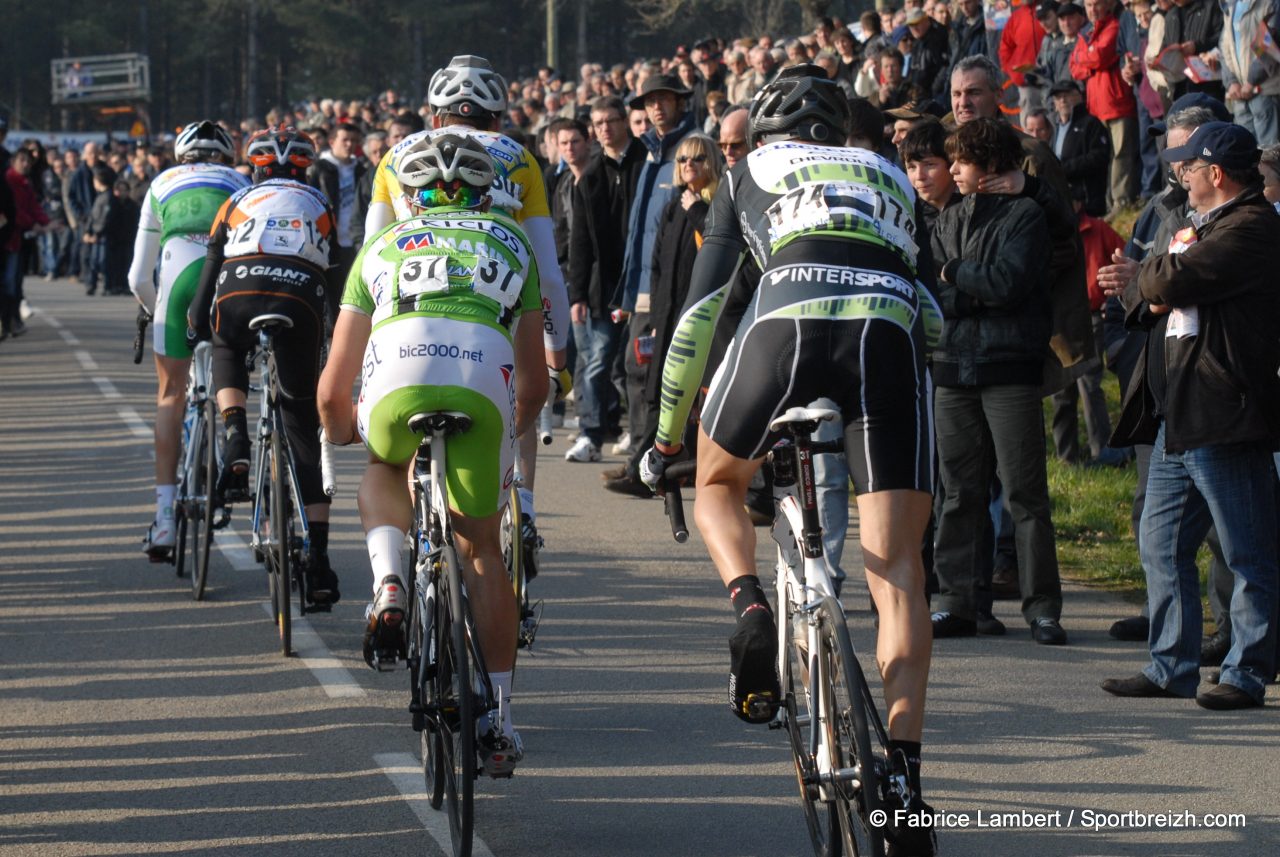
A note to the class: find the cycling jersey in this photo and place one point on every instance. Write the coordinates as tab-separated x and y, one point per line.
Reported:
279	217
178	211
517	189
833	230
443	291
450	263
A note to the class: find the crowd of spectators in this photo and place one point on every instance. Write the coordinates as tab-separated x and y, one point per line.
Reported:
1020	127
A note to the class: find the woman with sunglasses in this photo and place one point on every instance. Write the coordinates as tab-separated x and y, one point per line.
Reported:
699	168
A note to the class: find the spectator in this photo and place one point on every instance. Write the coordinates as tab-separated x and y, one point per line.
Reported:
1096	61
55	245
968	33
904	118
1083	146
139	175
846	50
337	174
1161	79
1039	125
894	90
1252	81
1150	106
763	67
930	56
27	216
1019	45
572	146
1053	62
710	79
924	154
1269	167
993	285
871	34
665	103
737	83
1213	433
1100	243
103	216
1195	27
79	198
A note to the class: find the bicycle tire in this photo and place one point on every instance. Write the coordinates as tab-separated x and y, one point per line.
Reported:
180	527
428	616
458	732
820	816
513	555
206	482
845	699
280	538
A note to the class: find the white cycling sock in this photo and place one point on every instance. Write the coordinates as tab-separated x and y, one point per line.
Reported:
164	502
526	504
384	545
501	683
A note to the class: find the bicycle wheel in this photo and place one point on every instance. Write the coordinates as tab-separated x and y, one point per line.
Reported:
426	620
513	556
180	527
855	771
201	511
280	546
820	815
455	691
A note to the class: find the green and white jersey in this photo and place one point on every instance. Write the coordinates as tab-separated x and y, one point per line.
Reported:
450	263
184	200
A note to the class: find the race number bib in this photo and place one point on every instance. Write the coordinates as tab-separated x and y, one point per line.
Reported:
278	235
421	275
496	281
828	205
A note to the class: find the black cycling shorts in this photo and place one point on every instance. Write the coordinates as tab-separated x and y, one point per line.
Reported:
872	368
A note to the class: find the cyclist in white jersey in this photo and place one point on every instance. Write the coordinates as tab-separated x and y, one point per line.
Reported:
180	207
469	98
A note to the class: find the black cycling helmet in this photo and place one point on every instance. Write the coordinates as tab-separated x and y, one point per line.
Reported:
801	103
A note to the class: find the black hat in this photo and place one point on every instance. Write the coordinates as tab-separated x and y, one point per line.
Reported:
1191	99
1226	144
1071	9
659	83
1064	86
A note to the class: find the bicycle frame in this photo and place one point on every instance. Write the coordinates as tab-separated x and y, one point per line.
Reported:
271	420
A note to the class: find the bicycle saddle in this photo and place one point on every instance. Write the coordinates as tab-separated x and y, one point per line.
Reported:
440	422
271	320
803	415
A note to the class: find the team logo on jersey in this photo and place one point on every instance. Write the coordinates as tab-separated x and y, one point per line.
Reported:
241	272
284	224
507	371
413	242
222	278
508	478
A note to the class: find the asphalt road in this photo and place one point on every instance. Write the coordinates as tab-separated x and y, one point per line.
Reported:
134	720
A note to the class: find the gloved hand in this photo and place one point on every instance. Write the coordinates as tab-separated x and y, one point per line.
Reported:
561	383
653	464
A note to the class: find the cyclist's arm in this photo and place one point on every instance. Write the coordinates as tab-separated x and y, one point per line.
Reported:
146	249
346	355
531	379
380	214
202	303
555	298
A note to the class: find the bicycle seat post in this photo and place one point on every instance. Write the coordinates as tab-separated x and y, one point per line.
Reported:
811	537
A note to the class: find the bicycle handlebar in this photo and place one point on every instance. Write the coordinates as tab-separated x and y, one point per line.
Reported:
672	498
139	341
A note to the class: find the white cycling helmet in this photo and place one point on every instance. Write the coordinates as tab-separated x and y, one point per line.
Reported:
446	170
203	138
468	86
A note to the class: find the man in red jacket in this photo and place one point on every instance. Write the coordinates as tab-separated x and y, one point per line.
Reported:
1019	45
1096	60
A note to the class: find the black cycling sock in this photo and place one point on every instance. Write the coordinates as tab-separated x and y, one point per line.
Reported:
319	537
234	419
911	751
747	595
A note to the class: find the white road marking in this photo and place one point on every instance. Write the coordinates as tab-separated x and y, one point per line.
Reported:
136	424
405	772
108	389
234	548
48	319
68	337
333	677
86	360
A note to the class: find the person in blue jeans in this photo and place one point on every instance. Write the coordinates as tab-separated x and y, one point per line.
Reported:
1206	394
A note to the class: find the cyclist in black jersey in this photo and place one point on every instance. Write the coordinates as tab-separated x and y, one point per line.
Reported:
840	312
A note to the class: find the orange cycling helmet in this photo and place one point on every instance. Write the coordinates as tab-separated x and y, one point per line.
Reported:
280	152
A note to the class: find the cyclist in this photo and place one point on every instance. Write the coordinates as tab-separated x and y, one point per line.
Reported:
469	98
439	312
839	312
271	251
176	216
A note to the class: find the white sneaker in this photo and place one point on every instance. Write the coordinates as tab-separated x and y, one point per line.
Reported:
384	631
500	754
583	450
159	541
623	446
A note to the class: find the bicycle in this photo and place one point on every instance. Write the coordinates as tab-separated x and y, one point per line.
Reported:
199	465
838	743
520	555
280	539
448	682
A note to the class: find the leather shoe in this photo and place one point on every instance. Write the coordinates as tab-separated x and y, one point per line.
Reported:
950	625
1004	583
630	485
1133	629
989	626
1226	697
1047	632
1139	685
1213	650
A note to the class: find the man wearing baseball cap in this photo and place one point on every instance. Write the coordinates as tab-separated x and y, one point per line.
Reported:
1206	393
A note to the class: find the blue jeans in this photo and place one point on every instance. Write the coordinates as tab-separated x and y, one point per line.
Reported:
1261	115
1231	486
597	340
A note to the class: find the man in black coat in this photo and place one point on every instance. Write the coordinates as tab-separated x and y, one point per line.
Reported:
1205	391
1083	145
337	174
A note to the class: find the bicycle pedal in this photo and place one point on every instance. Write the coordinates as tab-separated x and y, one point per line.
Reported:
387	662
317	607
